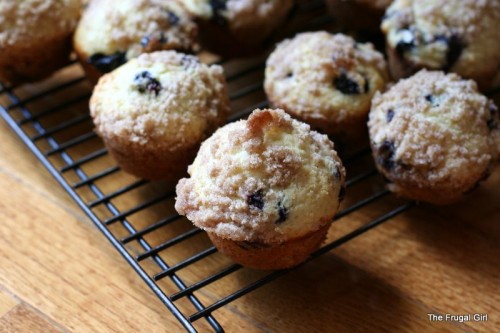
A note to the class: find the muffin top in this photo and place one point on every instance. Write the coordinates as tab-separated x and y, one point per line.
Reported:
239	14
122	30
452	35
324	76
435	130
164	97
267	179
36	20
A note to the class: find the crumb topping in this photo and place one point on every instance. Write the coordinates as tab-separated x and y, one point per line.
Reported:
266	179
323	76
133	27
431	130
163	97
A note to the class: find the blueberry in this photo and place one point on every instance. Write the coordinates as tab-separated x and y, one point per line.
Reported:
493	121
217	7
282	213
386	155
145	82
433	100
345	85
189	61
336	173
390	115
406	43
106	63
455	48
145	41
173	19
256	200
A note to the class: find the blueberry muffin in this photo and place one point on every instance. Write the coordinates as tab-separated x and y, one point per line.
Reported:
458	36
364	15
113	32
154	111
434	136
237	27
327	81
265	189
35	37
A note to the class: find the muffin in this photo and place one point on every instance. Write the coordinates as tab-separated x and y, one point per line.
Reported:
113	32
235	27
327	81
458	36
35	37
434	137
153	112
363	15
265	190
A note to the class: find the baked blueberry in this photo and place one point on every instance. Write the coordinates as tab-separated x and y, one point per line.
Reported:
344	84
406	42
386	155
106	63
190	61
145	82
256	200
493	120
336	173
282	213
173	18
390	115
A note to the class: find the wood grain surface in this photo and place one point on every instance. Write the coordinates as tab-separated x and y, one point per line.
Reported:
58	273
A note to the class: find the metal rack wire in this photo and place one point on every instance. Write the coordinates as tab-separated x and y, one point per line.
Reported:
136	216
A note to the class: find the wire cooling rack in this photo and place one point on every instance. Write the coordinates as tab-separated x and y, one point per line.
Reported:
136	216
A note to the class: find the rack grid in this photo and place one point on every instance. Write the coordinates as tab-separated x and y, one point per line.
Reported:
137	216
